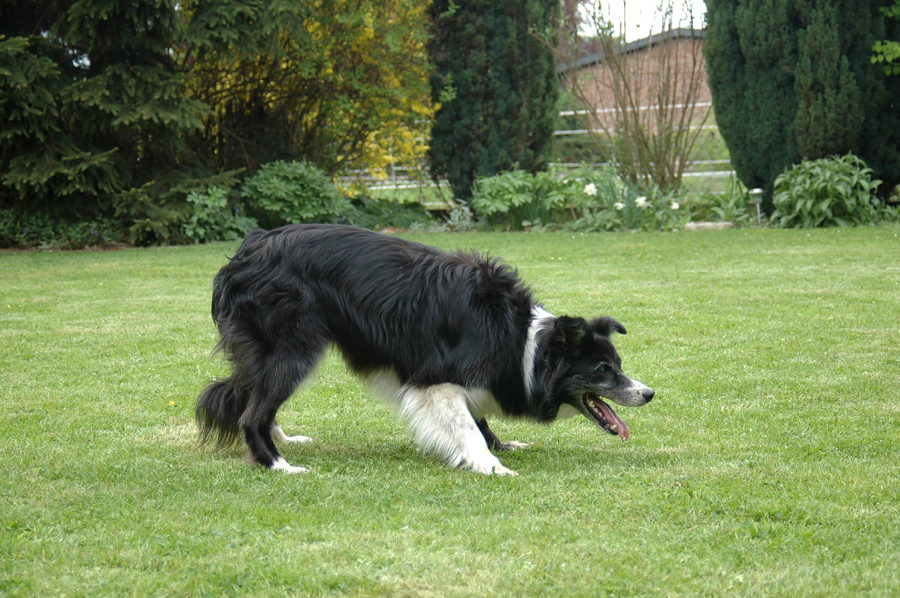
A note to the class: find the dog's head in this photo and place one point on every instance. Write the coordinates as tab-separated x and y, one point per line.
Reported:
589	369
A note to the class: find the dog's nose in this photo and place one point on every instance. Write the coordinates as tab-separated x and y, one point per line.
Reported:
647	393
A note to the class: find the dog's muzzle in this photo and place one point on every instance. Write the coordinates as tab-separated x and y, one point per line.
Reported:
606	417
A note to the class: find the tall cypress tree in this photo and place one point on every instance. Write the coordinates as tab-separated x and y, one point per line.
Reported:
829	104
496	82
793	80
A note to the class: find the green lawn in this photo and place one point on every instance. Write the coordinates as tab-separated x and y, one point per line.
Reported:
768	464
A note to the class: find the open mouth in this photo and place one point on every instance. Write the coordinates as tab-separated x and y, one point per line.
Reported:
604	416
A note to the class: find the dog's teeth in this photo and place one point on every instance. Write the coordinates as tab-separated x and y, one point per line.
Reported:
614	428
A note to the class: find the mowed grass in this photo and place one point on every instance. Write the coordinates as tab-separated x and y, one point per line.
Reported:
768	464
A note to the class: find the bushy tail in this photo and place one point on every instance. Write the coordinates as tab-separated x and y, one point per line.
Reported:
219	408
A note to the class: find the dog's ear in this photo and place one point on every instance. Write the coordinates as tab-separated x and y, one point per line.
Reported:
571	330
605	326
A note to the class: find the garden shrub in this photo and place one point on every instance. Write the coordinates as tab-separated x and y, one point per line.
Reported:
620	205
659	210
42	231
374	214
99	232
460	218
730	206
588	199
212	220
603	201
524	199
832	191
294	192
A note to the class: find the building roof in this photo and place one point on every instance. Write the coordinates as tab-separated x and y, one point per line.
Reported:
635	46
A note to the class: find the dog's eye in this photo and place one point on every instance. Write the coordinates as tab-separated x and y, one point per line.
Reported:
602	369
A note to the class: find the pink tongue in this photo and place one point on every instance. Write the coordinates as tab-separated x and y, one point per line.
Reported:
613	418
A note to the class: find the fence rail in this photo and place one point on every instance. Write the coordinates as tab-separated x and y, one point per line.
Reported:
709	170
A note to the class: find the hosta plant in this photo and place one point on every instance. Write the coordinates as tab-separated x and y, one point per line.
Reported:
833	191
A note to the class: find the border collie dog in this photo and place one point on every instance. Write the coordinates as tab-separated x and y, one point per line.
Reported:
450	337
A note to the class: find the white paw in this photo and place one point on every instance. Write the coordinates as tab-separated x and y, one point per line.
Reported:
281	465
295	439
279	435
512	444
493	467
500	470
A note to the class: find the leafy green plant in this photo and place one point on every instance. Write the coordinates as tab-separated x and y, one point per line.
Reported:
460	218
833	191
212	220
506	194
625	207
730	206
602	202
295	192
523	200
660	210
377	214
99	232
40	230
26	231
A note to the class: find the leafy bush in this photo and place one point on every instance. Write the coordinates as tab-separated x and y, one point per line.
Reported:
510	194
588	200
100	232
26	231
620	205
731	206
40	230
376	214
524	199
295	192
155	212
661	211
833	191
460	218
606	203
211	219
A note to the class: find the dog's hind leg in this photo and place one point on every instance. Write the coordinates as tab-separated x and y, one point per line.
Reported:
441	420
282	372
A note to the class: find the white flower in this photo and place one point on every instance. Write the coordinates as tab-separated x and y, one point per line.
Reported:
640	202
674	205
590	189
619	206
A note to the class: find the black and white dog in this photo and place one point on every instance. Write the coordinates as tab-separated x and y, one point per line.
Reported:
451	337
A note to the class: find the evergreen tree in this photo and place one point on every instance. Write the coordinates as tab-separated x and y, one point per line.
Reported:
496	82
121	107
91	107
793	80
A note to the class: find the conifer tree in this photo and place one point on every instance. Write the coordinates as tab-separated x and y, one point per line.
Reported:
496	83
793	80
92	106
829	104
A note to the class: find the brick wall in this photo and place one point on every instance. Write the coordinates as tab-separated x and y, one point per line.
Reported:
661	71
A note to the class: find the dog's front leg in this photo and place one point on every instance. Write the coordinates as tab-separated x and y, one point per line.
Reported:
441	420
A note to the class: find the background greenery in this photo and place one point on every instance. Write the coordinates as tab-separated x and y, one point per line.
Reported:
794	80
768	464
495	82
121	108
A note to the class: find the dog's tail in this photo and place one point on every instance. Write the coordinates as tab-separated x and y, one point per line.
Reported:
219	408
